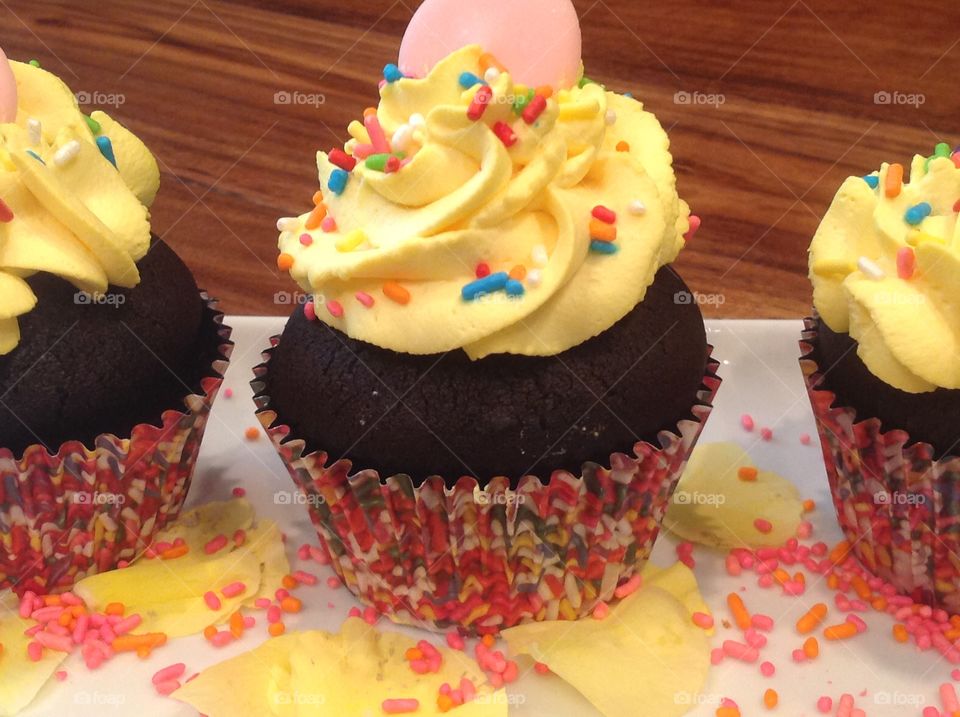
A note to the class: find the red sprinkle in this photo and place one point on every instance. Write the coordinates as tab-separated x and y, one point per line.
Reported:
480	101
906	263
604	214
766	434
505	133
6	213
342	159
335	308
532	112
483	269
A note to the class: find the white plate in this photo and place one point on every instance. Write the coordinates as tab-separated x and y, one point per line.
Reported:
761	377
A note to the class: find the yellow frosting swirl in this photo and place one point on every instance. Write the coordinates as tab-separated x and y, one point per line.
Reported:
465	198
74	214
890	277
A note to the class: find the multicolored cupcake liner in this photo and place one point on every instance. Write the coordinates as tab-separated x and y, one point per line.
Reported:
83	510
485	558
898	507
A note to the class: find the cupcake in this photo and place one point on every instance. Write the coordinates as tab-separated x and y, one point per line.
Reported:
110	356
491	394
883	370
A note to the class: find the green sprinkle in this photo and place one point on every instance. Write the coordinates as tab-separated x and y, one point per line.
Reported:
35	63
92	124
522	101
584	81
377	162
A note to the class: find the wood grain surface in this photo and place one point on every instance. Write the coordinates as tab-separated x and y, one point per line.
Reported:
770	104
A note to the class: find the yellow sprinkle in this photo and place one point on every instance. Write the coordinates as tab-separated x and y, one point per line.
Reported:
832	267
351	241
358	132
916	237
579	110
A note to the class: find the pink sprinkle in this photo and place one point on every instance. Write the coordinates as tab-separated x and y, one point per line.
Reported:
319	556
766	434
733	566
262	603
364	298
948	698
228	393
355	612
824	705
239	537
541	668
400	706
128	624
306	239
212	601
35	651
906	263
370	615
377	137
694	227
629	587
233	590
335	308
60	643
702	620
221	639
767	669
955	675
601	611
763	525
740	651
857	622
167	687
455	641
305	578
762	622
754	638
333	582
804	529
249	622
61	675
310	311
328	224
805	439
930	711
799	656
746	420
172	672
281	594
215	545
273	614
70	599
716	656
26	604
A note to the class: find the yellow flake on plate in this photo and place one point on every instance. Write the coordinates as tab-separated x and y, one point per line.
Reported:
169	594
646	654
20	678
316	673
712	506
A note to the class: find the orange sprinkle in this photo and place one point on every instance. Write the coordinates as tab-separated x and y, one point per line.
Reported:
487	60
833	582
770	699
519	272
51	600
285	262
811	648
840	552
369	111
860	585
488	641
545	91
445	703
139	643
291	604
252	433
318	197
209	631
739	611
841	631
747	473
413	653
177	551
809	506
894	181
276	629
900	633
879	603
78	610
813	617
623	146
781	576
115	608
289	582
236	625
601	231
316	217
393	291
728	712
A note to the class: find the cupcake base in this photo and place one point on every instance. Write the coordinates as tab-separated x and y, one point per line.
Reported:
87	508
897	505
486	558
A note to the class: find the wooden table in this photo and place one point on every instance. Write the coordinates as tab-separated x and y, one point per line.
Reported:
777	104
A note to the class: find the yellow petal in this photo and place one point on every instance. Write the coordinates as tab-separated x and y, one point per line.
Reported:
16	297
136	164
9	335
43	96
714	507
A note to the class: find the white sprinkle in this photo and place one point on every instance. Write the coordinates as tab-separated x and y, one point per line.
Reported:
285	224
34	129
871	269
637	207
539	255
534	278
491	75
402	137
417	120
610	117
66	153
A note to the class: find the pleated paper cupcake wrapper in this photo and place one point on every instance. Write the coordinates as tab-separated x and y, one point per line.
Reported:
483	559
897	506
83	510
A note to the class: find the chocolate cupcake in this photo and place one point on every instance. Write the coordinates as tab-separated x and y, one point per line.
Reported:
498	379
883	373
110	356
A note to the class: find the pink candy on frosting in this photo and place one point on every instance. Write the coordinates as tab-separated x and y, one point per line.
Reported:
538	41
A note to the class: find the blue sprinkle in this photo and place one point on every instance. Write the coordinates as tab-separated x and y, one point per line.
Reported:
106	149
628	94
391	73
917	213
491	282
872	180
468	80
36	156
513	288
338	181
603	247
